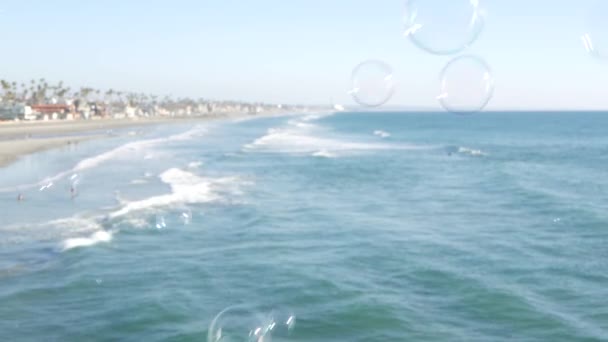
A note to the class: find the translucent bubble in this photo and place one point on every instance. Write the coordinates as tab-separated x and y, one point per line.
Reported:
46	186
466	85
443	27
283	322
185	217
160	222
239	324
372	83
595	37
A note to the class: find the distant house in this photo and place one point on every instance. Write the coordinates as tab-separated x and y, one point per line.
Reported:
51	110
16	112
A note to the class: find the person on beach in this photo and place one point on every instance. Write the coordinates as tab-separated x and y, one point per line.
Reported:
73	192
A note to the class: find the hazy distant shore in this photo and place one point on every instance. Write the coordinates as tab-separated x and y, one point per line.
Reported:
21	138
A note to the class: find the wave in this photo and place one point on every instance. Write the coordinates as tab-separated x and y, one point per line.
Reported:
324	154
381	134
195	164
451	149
95	238
299	137
53	230
473	152
92	162
186	188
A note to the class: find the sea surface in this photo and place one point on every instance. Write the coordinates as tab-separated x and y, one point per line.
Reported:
314	227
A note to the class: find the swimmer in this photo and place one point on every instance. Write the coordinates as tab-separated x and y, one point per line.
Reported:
20	197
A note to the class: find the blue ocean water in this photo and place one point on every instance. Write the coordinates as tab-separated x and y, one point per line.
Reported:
359	226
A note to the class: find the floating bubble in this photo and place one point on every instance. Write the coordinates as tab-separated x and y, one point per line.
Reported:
466	85
160	222
239	324
282	322
47	186
443	27
372	83
186	217
595	37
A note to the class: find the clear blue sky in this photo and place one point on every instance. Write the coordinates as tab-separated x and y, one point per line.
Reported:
291	51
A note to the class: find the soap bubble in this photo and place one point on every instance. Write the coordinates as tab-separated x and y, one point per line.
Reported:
372	83
283	322
239	324
466	85
443	27
595	37
46	185
160	222
185	217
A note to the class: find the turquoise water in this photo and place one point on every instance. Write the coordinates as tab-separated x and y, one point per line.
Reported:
365	226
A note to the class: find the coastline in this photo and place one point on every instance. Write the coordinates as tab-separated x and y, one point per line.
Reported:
18	139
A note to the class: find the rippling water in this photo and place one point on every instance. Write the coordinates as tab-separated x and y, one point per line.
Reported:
368	226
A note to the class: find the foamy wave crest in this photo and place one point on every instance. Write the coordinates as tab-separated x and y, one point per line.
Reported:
124	150
296	140
134	146
473	152
195	164
95	238
381	134
186	188
324	154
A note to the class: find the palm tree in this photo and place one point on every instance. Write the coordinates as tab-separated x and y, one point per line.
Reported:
61	92
84	92
119	95
108	95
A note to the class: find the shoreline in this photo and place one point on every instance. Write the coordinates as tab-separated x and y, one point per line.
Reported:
18	139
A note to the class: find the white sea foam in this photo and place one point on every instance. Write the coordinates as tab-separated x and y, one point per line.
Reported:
382	134
53	230
309	139
323	154
186	188
195	164
121	151
473	152
95	238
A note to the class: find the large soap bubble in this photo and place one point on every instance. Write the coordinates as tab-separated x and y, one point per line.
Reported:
443	27
372	83
467	85
239	324
595	37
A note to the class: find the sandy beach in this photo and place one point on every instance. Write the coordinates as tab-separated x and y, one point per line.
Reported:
21	138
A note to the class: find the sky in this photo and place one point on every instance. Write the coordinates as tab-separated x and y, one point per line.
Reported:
295	51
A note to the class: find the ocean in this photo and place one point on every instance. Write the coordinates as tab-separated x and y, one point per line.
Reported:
313	227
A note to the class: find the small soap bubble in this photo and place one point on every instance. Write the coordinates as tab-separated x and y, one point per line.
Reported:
283	322
372	83
186	217
467	85
160	222
443	27
46	186
239	324
595	37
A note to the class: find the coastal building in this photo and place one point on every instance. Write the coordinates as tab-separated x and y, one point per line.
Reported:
16	112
